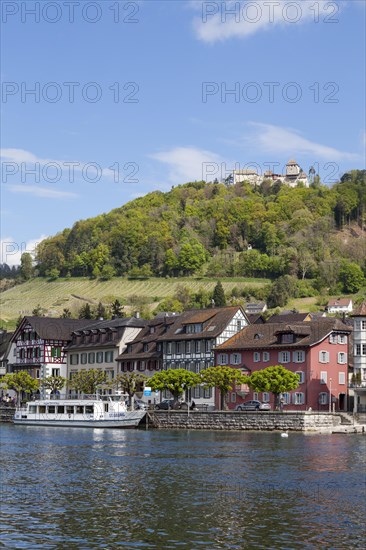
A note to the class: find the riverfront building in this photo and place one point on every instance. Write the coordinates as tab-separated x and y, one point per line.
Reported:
317	351
358	381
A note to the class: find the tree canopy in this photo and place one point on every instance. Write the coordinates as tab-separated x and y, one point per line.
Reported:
223	378
275	379
20	381
87	381
174	380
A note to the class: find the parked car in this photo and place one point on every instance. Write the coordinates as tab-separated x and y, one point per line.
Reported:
253	405
138	404
171	404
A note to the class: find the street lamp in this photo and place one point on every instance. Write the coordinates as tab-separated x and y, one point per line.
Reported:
330	395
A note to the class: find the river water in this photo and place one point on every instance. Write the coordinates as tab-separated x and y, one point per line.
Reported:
65	488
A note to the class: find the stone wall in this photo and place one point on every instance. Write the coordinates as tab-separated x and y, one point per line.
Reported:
6	413
223	420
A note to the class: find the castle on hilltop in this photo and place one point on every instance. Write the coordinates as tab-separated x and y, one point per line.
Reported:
293	176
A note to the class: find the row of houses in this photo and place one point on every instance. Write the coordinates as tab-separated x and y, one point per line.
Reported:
323	351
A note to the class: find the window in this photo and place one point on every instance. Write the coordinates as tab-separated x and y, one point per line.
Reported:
255	396
235	358
208	346
287	338
152	330
238	325
74	359
298	398
56	352
333	338
108	356
363	349
37	374
223	359
284	357
83	358
233	397
178	348
265	397
286	398
194	328
323	377
145	348
341	378
342	358
363	325
91	357
301	376
342	339
298	356
197	346
99	357
169	348
265	356
256	356
61	409
323	398
323	356
159	346
188	347
207	393
358	349
109	374
55	372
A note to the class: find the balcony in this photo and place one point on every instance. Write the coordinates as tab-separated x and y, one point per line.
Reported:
28	361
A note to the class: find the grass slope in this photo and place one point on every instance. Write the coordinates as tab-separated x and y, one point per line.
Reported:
72	293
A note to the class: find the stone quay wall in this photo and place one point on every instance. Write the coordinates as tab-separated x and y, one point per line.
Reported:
244	420
6	413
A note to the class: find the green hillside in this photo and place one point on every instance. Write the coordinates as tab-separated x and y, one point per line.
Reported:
54	296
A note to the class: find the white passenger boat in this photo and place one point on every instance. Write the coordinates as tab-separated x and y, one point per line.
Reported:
106	411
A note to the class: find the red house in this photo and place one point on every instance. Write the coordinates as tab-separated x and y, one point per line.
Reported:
316	350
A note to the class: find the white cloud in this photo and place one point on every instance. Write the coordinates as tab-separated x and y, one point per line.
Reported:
219	21
12	250
42	192
188	163
287	141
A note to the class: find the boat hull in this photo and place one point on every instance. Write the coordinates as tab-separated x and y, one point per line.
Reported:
117	424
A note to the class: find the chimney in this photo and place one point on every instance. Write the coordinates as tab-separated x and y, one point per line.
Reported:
137	315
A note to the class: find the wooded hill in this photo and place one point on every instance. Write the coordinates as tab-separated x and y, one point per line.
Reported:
208	228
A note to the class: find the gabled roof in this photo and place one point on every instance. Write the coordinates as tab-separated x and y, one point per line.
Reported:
160	326
255	318
5	339
52	328
214	322
341	302
114	323
360	311
289	318
266	336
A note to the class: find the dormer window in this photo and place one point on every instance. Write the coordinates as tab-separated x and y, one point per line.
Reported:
129	348
152	330
194	328
146	347
287	338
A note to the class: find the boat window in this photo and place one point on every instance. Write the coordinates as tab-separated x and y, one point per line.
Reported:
61	409
106	407
89	409
42	409
32	409
79	409
70	409
51	409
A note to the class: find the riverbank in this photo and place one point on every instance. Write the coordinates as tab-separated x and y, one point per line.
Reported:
294	421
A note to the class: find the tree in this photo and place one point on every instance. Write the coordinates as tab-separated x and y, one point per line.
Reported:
54	383
66	314
85	312
282	289
174	380
117	309
275	379
130	382
87	381
351	277
26	265
38	311
107	272
101	312
219	295
223	378
20	382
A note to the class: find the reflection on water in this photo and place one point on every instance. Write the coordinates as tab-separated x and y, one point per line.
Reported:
75	488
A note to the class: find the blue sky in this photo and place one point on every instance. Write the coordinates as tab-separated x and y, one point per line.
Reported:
135	96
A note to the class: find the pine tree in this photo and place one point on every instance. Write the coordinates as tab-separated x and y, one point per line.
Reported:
117	309
101	311
85	312
219	295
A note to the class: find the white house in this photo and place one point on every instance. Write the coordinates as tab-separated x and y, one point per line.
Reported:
340	305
